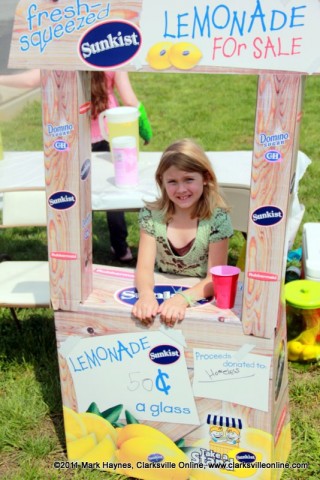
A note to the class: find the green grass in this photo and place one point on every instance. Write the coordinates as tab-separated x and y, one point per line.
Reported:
219	112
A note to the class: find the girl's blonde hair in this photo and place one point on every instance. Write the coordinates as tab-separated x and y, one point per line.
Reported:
188	156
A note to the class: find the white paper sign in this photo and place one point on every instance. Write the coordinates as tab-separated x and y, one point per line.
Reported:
258	34
221	375
146	372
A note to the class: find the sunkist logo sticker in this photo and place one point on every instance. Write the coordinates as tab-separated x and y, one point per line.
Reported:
267	216
62	200
164	354
110	44
130	295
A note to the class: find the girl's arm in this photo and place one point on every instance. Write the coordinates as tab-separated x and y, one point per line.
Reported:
173	309
28	79
125	90
146	307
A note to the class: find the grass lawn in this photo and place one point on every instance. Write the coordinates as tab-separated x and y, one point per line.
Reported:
219	112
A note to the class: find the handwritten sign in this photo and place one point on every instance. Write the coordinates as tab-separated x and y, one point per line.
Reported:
169	35
146	372
222	375
265	34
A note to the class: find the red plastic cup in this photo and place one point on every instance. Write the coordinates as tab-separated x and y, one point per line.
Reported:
225	280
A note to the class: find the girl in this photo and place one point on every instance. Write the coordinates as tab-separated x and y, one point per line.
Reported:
184	232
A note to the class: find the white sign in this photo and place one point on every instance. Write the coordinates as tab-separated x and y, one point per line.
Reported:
146	372
222	375
253	34
169	35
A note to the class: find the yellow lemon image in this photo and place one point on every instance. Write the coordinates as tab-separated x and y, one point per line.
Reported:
103	452
139	430
149	450
77	448
158	57
73	424
184	55
97	425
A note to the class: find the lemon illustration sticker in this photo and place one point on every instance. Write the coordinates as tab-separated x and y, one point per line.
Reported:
158	57
184	55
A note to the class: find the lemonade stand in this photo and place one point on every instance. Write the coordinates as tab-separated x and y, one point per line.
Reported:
209	398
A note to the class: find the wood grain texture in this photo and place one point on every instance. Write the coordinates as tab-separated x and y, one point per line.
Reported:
278	112
109	317
62	95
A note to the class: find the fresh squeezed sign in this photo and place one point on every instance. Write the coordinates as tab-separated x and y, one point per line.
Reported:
146	372
258	34
189	35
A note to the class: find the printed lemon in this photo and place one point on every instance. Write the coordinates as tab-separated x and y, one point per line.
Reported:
146	449
73	424
139	430
158	57
98	425
77	448
103	452
184	55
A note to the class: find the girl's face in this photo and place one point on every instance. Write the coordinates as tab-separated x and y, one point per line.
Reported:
184	189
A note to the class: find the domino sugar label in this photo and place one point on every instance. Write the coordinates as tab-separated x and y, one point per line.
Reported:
110	44
273	156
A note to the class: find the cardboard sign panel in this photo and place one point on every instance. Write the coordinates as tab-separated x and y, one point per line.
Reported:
189	36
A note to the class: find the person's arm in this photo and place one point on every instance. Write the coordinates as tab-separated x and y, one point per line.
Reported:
28	79
173	310
125	90
129	99
146	307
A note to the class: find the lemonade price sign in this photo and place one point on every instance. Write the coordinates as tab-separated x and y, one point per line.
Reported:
146	372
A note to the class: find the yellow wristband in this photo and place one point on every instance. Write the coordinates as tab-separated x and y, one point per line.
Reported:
187	297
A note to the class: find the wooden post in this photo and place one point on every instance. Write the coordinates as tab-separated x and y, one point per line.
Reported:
67	156
274	161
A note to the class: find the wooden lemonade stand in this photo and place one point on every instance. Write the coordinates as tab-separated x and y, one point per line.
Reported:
226	397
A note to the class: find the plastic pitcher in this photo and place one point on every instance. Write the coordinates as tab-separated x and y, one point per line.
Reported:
119	122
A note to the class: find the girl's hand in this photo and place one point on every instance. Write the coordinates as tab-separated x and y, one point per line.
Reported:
145	309
173	310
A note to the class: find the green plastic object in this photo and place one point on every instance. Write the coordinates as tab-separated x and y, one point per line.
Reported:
145	130
303	294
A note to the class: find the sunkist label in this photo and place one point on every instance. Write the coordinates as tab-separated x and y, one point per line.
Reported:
267	216
62	200
130	295
110	44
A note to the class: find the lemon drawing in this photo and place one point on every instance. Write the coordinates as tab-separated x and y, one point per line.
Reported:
140	430
146	449
104	451
80	446
98	425
158	57
72	423
184	55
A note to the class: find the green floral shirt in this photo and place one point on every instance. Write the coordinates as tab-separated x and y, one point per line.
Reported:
195	262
